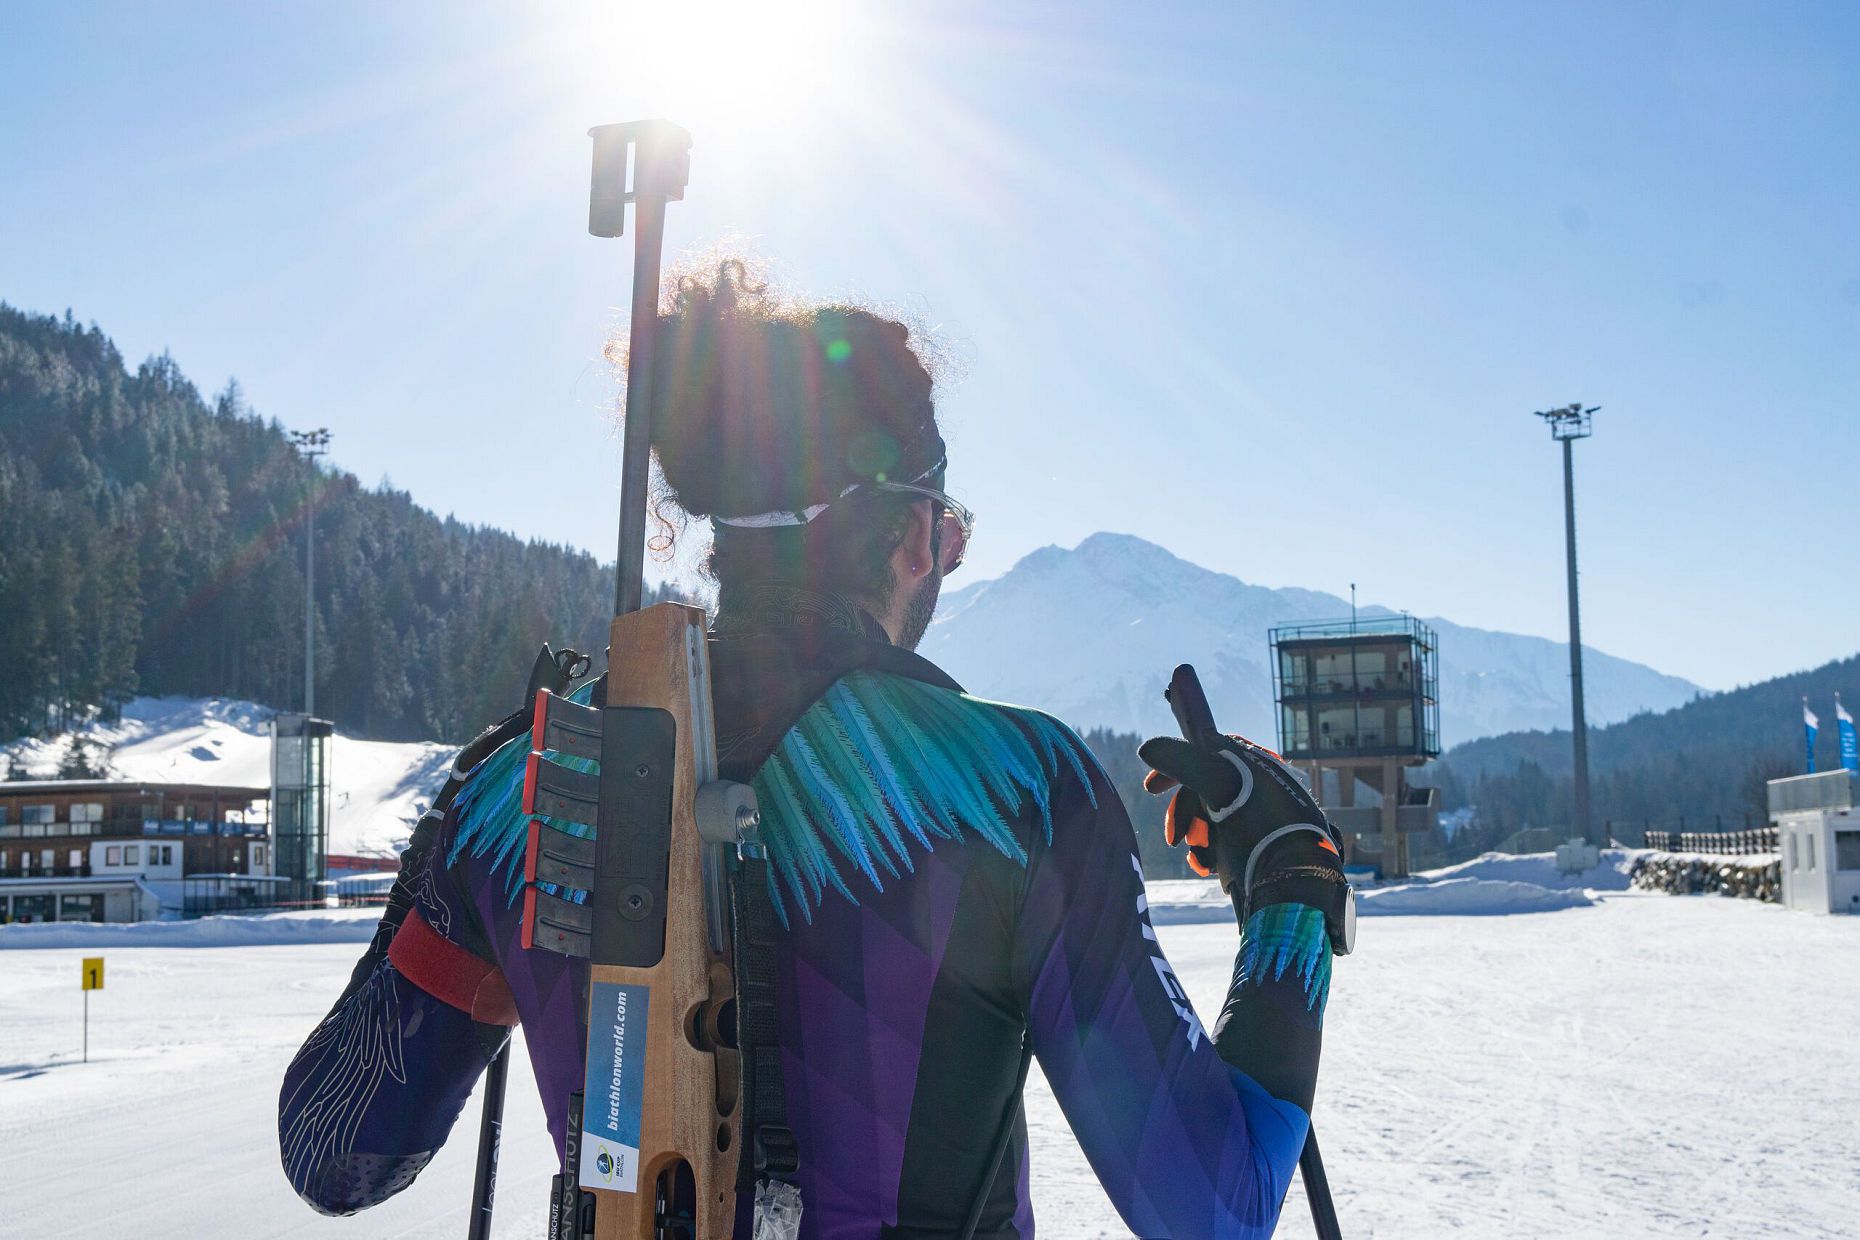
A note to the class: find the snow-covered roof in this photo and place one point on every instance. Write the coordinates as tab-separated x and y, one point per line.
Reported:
378	789
117	785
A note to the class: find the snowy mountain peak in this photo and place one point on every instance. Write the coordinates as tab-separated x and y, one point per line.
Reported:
1091	634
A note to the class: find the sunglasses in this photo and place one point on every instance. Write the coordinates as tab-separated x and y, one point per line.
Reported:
957	523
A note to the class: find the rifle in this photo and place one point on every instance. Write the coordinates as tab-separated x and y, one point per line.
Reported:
1196	719
628	868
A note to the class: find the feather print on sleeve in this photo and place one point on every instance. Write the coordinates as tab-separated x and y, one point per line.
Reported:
881	761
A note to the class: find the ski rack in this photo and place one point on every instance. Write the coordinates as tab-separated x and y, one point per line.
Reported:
627	868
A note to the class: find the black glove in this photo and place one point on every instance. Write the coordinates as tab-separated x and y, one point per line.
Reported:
1245	817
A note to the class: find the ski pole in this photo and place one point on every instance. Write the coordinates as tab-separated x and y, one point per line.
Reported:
1196	719
1317	1189
490	1135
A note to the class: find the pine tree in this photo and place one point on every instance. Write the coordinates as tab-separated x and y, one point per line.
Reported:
150	542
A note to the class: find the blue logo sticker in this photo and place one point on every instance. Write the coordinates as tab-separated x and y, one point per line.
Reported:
614	1094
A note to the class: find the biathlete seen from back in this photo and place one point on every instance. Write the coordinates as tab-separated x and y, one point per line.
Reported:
953	879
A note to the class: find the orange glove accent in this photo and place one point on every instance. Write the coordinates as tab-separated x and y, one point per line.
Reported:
1194	832
1156	782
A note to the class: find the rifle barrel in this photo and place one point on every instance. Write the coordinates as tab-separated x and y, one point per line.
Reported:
630	563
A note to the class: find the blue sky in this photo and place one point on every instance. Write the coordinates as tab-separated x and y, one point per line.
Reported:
1275	285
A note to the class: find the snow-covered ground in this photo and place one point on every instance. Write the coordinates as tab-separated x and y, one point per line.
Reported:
1644	1066
1490	885
377	788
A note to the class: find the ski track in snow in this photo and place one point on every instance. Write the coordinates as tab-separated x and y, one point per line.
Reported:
1648	1066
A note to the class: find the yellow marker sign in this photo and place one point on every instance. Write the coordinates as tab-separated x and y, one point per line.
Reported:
93	973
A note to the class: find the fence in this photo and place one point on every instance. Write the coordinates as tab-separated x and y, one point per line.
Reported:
1715	843
361	890
81	870
1712	833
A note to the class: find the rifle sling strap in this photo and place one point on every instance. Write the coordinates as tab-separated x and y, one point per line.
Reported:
769	1148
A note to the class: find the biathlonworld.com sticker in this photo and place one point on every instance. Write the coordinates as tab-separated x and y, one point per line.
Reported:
615	1094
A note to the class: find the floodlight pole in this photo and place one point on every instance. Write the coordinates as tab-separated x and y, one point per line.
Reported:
1567	425
311	444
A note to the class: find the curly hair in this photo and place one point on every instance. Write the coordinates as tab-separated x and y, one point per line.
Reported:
762	405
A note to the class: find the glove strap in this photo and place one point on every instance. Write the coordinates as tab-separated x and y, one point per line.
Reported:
1252	858
1232	807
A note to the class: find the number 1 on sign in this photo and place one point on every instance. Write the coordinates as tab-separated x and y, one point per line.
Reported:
92	980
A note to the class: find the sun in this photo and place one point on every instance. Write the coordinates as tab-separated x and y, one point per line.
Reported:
723	60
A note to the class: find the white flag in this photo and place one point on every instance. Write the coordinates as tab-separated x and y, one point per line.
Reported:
1840	712
1808	716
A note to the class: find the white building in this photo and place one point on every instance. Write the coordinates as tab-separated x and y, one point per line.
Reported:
125	850
1818	835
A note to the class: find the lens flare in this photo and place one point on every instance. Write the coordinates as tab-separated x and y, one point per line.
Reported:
705	60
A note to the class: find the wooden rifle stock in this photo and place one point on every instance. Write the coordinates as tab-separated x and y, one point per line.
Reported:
688	1116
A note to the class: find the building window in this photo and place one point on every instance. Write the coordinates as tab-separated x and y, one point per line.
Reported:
32	908
258	852
1810	841
76	856
167	854
45	858
88	811
113	855
132	854
1847	850
9	831
77	908
37	813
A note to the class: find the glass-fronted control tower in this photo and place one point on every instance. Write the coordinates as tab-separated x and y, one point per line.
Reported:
1359	698
300	804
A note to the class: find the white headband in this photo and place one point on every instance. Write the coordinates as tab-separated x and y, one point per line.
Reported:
772	520
781	517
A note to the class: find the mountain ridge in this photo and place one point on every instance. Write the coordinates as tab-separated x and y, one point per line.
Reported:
1091	632
1705	761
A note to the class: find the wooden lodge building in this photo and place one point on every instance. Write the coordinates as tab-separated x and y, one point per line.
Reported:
124	850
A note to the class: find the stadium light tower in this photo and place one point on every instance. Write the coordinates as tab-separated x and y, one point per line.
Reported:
311	444
1567	425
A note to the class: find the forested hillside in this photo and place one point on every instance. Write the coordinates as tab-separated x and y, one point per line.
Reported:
151	542
1117	753
1707	759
